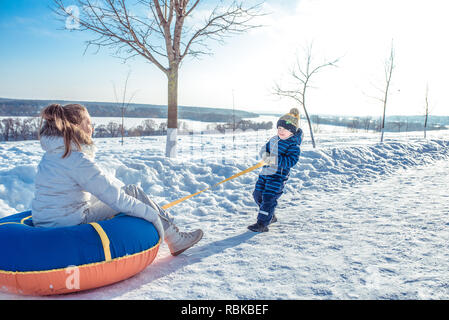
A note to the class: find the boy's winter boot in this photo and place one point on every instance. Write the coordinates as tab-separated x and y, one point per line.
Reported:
178	241
258	227
274	219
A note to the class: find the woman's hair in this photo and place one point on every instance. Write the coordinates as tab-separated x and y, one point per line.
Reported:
65	121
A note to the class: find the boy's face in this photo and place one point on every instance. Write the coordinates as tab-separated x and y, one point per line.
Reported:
284	133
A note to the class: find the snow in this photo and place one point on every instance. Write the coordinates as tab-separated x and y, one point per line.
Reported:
358	219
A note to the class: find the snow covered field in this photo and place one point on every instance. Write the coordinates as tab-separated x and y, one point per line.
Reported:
358	220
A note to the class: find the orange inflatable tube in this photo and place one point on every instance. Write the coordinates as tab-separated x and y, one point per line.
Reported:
48	261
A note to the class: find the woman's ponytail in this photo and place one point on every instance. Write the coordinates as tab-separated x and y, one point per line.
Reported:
54	115
65	121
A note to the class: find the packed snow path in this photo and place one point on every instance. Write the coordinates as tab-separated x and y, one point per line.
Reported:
384	240
388	239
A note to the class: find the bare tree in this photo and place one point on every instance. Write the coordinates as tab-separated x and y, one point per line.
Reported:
384	91
24	129
113	129
354	124
8	125
160	32
15	129
148	127
366	123
124	103
399	124
162	127
301	75
389	66
388	72
101	131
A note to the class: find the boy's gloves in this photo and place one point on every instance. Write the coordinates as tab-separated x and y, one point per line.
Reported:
269	159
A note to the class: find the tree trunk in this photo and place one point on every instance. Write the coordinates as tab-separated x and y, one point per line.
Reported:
123	124
310	127
172	114
383	119
307	114
425	126
427	111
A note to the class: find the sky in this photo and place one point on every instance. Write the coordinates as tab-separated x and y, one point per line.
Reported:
40	59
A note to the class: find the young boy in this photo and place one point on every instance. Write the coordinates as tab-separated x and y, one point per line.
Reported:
280	154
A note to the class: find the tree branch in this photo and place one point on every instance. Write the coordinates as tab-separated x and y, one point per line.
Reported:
235	19
158	33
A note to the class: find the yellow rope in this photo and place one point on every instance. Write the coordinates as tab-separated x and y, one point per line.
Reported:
169	205
260	164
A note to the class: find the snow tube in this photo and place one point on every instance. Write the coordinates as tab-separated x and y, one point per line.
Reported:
48	261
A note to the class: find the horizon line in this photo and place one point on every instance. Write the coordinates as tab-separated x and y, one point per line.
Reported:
254	112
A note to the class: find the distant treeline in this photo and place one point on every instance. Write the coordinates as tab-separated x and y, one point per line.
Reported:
392	124
18	129
244	125
32	108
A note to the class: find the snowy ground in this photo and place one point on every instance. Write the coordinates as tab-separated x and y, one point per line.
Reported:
358	220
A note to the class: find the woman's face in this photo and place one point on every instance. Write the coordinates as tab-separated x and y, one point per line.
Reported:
86	125
284	133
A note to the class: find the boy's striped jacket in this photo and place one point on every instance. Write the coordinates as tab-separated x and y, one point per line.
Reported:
286	153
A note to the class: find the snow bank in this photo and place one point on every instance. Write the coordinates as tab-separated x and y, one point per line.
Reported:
333	167
326	168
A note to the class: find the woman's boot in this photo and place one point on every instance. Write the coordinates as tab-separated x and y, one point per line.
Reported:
177	241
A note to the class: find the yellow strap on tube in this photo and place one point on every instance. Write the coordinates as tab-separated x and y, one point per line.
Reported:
21	221
104	240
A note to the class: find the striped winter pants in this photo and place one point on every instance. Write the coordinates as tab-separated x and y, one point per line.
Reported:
266	193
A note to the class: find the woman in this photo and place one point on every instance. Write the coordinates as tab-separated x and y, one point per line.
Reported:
71	189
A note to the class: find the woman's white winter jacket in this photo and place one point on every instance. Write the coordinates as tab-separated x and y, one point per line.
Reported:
63	188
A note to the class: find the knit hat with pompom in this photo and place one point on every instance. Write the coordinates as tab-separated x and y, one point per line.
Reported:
289	121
